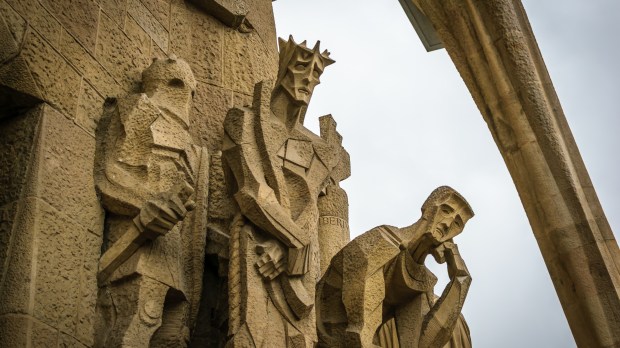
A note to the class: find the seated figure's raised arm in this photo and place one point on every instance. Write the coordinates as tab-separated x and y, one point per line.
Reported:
439	323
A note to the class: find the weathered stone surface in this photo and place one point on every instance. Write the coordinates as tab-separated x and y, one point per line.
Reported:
24	331
12	30
160	9
115	9
260	15
207	42
90	107
66	341
210	106
119	55
60	259
7	218
17	277
16	153
42	335
221	205
66	155
241	62
138	36
87	66
39	18
149	23
79	17
180	33
57	80
87	294
13	330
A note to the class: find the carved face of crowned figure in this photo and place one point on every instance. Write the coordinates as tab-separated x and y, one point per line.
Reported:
447	213
300	69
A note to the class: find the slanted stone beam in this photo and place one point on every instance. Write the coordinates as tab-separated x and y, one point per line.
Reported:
494	49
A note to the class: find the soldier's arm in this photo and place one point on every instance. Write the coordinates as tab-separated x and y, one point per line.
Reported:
118	182
439	323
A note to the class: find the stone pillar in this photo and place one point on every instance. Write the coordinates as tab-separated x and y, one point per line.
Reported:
494	49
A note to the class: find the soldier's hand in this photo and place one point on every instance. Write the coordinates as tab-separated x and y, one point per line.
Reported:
161	214
272	260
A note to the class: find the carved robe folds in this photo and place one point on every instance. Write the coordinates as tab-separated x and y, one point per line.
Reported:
277	174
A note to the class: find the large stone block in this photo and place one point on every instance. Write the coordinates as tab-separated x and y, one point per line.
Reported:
12	30
87	66
65	180
211	103
260	15
90	107
66	341
58	82
13	330
87	296
79	17
119	55
160	9
39	18
65	291
207	45
58	262
17	277
180	33
115	9
149	23
16	153
139	36
24	331
246	62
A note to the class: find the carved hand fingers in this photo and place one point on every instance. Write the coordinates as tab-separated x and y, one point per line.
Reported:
456	265
271	261
159	215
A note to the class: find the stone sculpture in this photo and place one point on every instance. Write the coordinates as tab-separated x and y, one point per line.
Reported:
380	277
277	169
149	176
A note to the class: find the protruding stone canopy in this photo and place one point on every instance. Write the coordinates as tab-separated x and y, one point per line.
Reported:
493	47
422	25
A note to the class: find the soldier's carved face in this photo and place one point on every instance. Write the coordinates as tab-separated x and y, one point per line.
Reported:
302	76
448	221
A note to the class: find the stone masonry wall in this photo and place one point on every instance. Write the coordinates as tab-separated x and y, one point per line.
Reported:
59	61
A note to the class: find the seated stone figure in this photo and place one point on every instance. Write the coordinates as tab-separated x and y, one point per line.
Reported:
150	176
377	292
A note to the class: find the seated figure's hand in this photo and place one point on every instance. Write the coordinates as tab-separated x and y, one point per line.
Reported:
162	213
448	252
272	260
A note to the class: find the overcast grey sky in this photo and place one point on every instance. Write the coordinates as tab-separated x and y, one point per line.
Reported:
410	125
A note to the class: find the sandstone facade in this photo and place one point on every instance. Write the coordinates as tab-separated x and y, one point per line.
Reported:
60	60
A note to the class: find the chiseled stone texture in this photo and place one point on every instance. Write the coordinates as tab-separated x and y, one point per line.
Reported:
79	17
66	156
49	244
72	55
